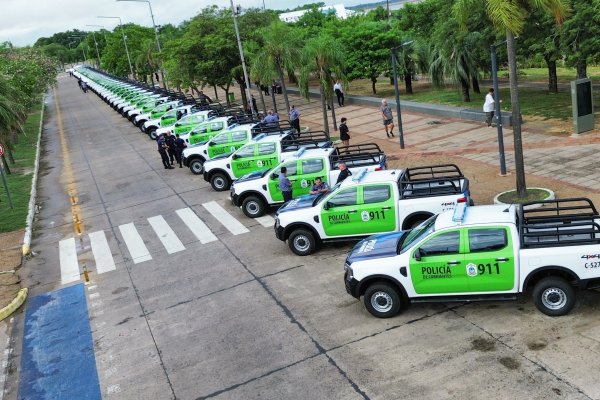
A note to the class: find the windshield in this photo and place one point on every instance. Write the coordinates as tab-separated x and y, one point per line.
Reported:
417	234
321	196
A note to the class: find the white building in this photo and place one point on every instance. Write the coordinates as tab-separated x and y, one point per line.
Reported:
338	9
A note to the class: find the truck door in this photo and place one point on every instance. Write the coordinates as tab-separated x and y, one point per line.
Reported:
188	122
218	144
236	140
310	169
265	157
490	260
242	161
292	174
339	213
441	268
378	211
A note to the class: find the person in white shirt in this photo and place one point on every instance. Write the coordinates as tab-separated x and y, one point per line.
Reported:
488	107
339	92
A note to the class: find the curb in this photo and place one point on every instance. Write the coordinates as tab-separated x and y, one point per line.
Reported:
14	304
29	221
551	196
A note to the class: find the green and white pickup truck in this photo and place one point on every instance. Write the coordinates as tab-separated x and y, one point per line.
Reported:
482	253
185	123
169	118
155	114
257	191
368	203
263	152
226	142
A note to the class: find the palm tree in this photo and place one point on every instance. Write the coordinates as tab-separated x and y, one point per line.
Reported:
323	58
510	16
12	116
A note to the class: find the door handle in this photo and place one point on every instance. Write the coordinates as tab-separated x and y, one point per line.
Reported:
386	208
502	259
453	262
351	211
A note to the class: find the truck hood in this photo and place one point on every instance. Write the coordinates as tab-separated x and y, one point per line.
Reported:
253	175
376	246
305	201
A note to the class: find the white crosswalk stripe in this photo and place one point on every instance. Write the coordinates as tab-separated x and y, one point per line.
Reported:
233	225
195	224
166	235
135	244
69	265
266	220
102	253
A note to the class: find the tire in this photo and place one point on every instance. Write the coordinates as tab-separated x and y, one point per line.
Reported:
382	300
152	133
302	242
253	207
197	166
554	296
220	182
140	125
414	222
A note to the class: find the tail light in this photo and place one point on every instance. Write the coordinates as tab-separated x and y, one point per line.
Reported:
461	200
378	169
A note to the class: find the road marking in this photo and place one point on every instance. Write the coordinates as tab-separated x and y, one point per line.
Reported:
135	244
102	253
195	224
266	220
166	235
69	265
233	225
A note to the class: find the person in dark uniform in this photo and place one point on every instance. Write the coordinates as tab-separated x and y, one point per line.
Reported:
162	150
344	172
285	185
344	132
179	146
170	142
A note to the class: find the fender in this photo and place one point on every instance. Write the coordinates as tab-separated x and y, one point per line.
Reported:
364	283
564	270
249	193
287	231
410	216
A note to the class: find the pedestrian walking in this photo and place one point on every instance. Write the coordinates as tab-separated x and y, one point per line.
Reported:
162	150
339	92
84	87
388	118
344	172
294	118
488	107
285	185
179	146
170	142
344	132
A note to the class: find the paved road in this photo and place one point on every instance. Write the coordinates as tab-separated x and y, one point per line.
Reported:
189	299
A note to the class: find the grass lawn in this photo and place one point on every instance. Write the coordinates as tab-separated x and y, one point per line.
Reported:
19	181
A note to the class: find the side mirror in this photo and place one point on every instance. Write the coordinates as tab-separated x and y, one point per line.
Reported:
419	253
212	144
235	156
327	206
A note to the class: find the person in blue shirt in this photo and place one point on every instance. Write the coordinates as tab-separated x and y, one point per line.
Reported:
319	186
271	118
295	118
285	185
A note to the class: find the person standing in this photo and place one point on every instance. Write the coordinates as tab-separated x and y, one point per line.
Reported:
162	150
344	172
339	92
270	118
344	132
170	142
388	118
179	146
294	118
285	185
253	102
488	107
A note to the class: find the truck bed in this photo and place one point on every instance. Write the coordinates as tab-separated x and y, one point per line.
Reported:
358	155
309	140
432	180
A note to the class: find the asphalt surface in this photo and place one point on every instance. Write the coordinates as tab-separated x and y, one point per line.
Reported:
241	317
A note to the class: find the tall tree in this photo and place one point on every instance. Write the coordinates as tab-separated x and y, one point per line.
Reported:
510	16
581	35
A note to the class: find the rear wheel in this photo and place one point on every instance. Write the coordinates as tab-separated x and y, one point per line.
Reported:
382	300
253	207
219	182
197	166
302	242
554	296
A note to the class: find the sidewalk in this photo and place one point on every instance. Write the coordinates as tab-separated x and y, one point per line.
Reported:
567	165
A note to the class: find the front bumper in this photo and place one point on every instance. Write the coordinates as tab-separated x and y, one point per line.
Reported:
279	231
185	161
205	176
351	286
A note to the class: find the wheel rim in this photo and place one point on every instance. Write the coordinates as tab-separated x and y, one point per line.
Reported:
554	298
252	207
219	182
381	302
301	243
197	167
153	134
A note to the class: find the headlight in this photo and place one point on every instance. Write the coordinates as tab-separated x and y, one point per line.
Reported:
349	272
276	222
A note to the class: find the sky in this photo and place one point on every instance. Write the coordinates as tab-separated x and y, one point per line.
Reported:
22	22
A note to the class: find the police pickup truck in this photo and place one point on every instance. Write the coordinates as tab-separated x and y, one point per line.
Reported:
370	202
226	142
258	190
263	152
482	253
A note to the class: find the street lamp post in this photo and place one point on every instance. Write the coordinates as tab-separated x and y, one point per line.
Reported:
397	92
162	74
104	31
82	47
124	41
97	52
239	42
498	110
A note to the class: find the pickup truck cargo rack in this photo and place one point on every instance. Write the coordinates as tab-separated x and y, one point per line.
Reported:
357	155
432	180
309	140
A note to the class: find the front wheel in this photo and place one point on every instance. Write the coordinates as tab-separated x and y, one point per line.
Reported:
197	166
554	296
382	300
152	133
219	182
253	207
302	242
